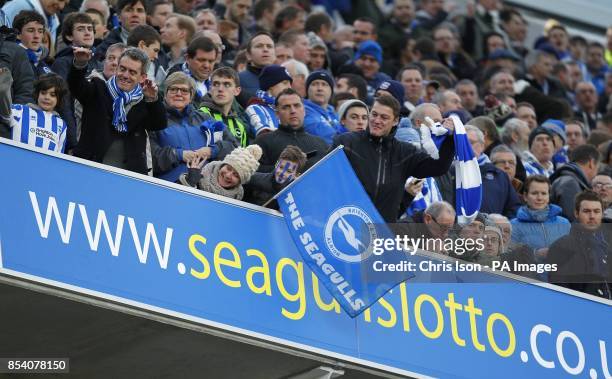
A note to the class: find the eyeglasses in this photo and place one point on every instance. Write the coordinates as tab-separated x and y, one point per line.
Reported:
174	90
493	239
602	185
504	162
443	228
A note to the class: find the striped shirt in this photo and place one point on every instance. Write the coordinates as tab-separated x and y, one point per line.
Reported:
35	127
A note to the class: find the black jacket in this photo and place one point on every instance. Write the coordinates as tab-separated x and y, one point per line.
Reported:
547	106
61	66
261	188
463	67
113	37
567	182
583	261
15	58
98	133
274	143
555	89
384	164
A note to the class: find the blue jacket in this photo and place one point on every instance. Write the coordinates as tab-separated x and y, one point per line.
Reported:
187	130
598	79
374	83
261	113
249	84
322	122
539	229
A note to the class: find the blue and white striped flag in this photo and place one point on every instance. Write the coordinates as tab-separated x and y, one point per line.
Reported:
468	182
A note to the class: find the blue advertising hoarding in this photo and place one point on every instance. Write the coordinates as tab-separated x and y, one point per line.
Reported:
160	246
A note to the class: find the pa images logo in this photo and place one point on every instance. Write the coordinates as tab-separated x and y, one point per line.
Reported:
349	233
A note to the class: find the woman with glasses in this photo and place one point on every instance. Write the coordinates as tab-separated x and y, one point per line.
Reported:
190	132
538	223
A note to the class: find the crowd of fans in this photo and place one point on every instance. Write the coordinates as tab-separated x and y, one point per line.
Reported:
239	97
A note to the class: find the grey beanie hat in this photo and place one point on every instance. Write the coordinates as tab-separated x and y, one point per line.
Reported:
349	104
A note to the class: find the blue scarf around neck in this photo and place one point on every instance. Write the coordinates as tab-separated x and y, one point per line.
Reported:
482	159
121	101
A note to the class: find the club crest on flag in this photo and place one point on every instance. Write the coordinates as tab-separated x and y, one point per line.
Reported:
345	235
335	227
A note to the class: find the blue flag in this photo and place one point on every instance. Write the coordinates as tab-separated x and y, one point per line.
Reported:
334	225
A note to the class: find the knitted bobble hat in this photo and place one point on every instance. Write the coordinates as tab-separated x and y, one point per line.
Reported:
245	161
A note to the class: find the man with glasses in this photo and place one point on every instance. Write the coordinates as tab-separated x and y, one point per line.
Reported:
602	185
504	159
77	30
439	218
435	222
383	164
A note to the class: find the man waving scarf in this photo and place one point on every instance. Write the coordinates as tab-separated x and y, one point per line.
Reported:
468	187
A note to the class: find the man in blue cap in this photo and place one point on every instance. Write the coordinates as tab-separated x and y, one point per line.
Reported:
368	58
261	110
321	119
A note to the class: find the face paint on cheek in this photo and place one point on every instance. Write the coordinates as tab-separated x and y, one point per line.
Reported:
284	171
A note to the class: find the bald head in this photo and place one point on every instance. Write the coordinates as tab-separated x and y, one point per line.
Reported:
425	110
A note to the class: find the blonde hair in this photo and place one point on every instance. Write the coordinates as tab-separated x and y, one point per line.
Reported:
179	78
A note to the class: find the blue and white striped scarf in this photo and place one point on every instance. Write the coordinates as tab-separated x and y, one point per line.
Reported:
483	158
561	157
122	102
468	182
266	97
533	167
202	87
